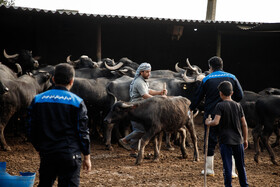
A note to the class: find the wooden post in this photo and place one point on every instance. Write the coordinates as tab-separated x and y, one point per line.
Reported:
206	151
98	52
219	44
211	10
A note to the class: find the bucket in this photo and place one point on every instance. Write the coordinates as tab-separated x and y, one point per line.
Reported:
6	180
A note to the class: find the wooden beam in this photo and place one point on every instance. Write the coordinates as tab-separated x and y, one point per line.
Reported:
219	44
211	10
98	52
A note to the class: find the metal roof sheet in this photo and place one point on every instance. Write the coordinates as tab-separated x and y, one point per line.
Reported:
76	13
242	25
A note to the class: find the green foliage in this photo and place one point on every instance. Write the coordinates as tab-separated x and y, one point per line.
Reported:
7	2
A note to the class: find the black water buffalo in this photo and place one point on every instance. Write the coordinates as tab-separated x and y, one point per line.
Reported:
270	91
22	61
6	72
97	100
45	68
268	110
248	104
94	93
106	61
123	62
120	89
157	114
177	84
165	73
20	93
83	62
93	73
107	68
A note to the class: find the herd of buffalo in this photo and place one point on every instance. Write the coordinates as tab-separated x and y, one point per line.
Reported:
104	86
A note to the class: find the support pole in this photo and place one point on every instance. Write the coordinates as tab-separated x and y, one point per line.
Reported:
98	52
219	44
211	10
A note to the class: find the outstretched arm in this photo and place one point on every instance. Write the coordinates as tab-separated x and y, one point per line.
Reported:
154	92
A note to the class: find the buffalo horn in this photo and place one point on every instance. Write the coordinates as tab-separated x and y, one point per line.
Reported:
120	64
178	69
68	60
192	68
4	89
188	79
10	56
123	71
95	65
19	69
124	105
197	111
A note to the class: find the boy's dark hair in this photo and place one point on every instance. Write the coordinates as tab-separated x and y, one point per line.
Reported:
225	87
216	63
63	73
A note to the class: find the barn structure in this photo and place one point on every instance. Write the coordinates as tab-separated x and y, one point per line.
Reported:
250	50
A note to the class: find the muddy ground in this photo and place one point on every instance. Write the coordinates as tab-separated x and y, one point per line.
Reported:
116	168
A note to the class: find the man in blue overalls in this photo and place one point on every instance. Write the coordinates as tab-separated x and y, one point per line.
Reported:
208	90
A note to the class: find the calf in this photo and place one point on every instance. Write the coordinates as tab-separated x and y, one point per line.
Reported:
268	110
157	114
18	97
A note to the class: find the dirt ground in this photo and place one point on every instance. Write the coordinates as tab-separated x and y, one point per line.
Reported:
116	168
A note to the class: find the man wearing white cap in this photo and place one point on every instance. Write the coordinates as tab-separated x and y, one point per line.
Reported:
139	89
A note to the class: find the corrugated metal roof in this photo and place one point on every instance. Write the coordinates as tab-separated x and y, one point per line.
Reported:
76	13
246	26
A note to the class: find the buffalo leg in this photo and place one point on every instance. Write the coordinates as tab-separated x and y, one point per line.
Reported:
192	132
168	141
256	139
4	145
109	128
157	146
269	149
141	146
267	131
277	133
6	116
182	142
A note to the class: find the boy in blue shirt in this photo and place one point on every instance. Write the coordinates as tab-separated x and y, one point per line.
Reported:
232	134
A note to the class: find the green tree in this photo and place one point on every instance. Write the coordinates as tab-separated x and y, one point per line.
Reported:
7	2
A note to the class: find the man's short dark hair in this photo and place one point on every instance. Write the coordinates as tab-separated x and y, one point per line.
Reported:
63	74
225	87
216	63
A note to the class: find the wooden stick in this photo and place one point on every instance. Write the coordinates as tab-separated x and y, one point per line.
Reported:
164	88
205	151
